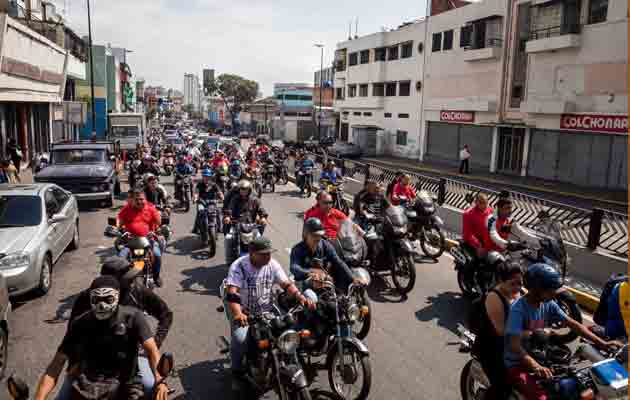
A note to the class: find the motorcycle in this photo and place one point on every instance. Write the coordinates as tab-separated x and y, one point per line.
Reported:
282	172
390	248
352	248
305	176
268	177
239	236
336	192
476	277
222	177
425	225
347	357
18	390
168	164
572	377
207	215
140	249
183	190
272	362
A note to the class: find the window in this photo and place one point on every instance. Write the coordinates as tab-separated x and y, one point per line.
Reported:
356	113
345	112
401	138
448	40
352	58
403	115
363	90
437	42
52	207
407	50
388	115
352	90
367	114
61	197
378	89
390	89
379	54
392	53
465	35
365	56
339	94
597	11
404	88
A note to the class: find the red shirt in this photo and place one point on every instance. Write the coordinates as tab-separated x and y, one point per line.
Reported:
331	221
475	228
217	161
400	190
262	149
140	222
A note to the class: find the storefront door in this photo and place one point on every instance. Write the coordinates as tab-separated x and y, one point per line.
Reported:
344	132
510	150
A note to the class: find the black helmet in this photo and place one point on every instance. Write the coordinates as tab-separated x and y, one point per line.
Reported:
542	277
118	267
314	226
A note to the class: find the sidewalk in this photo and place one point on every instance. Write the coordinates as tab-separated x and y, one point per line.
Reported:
555	191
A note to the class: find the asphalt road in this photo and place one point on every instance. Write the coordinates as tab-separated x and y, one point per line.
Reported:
411	340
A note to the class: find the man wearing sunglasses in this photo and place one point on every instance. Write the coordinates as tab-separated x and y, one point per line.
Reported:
330	217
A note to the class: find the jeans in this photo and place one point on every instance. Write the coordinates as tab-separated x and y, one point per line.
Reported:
145	372
157	253
65	392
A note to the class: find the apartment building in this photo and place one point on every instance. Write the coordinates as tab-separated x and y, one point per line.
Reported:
191	91
378	90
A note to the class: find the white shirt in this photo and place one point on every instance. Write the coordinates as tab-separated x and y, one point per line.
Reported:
255	284
464	154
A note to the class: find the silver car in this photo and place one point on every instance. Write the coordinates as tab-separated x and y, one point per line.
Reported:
37	223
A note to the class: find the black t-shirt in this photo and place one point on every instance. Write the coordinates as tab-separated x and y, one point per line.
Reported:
108	348
208	191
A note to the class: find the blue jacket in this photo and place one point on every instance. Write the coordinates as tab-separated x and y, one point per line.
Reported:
330	175
301	258
184	169
307	162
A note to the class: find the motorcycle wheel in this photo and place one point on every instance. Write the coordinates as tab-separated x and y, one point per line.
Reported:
303	394
272	185
404	267
344	207
308	190
564	335
472	385
186	201
212	243
337	379
362	299
284	179
432	242
466	286
259	190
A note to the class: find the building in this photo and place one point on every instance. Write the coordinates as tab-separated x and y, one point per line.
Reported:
191	91
378	90
294	119
256	116
208	79
327	78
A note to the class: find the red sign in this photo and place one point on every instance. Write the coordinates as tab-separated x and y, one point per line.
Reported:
14	67
595	122
457	116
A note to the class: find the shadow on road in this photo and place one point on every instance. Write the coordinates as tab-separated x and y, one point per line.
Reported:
185	246
448	308
382	291
204	280
62	314
207	379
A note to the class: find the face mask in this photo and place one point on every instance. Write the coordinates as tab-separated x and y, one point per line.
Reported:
104	302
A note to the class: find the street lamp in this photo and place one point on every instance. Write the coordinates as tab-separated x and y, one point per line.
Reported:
321	80
91	71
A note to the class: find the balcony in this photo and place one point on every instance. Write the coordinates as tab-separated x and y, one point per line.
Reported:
491	51
554	38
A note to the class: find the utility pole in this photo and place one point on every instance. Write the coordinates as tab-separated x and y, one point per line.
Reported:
91	71
321	80
265	100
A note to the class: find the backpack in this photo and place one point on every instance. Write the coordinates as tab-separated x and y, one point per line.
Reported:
601	313
478	317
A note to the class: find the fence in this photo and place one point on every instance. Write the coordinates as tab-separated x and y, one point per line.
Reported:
594	229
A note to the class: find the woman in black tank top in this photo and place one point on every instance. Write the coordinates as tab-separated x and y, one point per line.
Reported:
491	342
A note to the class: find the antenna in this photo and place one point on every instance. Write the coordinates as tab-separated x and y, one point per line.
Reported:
356	28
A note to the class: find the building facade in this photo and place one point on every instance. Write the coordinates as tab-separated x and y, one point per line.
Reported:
191	91
294	119
378	81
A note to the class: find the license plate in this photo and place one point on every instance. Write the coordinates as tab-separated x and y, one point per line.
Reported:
138	265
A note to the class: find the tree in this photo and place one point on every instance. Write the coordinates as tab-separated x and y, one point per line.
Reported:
235	91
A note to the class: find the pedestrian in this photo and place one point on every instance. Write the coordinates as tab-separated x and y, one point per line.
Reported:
8	173
15	153
464	157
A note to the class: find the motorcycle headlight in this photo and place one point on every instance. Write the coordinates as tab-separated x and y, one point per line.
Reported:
15	260
354	312
289	341
138	252
246	238
400	230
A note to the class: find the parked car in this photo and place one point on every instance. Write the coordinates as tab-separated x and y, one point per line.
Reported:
37	223
87	170
5	311
327	141
345	150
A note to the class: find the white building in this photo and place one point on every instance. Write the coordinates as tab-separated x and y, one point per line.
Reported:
377	90
191	91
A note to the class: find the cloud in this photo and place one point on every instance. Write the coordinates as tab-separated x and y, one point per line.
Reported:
264	40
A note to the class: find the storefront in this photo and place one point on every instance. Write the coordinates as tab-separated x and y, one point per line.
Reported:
588	150
446	138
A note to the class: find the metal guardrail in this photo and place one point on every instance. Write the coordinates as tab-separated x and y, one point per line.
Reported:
594	229
552	31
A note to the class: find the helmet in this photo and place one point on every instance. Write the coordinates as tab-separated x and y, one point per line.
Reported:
236	162
314	226
543	277
244	184
330	163
206	172
149	177
118	267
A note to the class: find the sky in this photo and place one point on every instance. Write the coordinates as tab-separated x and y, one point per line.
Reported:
269	41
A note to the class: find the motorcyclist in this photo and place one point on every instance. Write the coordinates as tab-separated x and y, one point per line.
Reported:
475	225
500	226
135	295
403	189
156	194
219	159
262	149
534	311
235	169
139	217
330	173
248	292
312	247
330	217
244	204
390	187
148	166
369	201
182	167
301	165
103	359
206	190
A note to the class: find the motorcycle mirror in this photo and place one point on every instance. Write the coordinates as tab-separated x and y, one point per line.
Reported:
166	364
111	221
17	389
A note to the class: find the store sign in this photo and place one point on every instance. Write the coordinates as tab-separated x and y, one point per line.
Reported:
25	70
595	122
457	116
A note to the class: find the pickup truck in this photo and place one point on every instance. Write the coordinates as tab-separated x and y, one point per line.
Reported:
87	169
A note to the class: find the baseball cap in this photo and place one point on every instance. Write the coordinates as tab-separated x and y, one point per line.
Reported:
261	245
